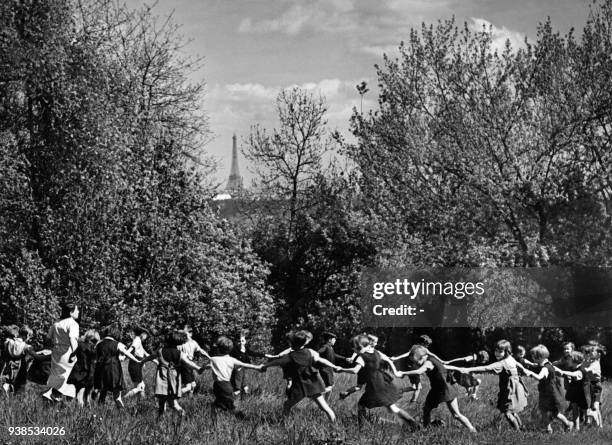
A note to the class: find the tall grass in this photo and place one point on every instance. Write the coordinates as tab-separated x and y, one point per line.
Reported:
264	424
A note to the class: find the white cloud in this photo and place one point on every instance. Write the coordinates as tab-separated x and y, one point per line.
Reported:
499	36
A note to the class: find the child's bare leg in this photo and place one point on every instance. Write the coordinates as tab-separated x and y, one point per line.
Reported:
403	415
137	389
453	407
474	394
176	407
117	397
576	416
416	393
79	396
320	400
513	419
547	421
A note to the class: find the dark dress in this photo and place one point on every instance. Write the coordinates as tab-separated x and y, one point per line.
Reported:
551	393
512	396
579	391
238	379
300	368
441	390
168	375
327	374
108	375
379	387
40	368
82	374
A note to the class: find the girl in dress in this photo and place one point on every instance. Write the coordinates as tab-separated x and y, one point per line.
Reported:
299	366
372	343
549	389
83	371
577	388
65	338
108	374
168	376
511	399
379	388
441	390
139	336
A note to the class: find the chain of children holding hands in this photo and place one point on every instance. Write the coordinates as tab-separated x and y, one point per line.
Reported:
89	365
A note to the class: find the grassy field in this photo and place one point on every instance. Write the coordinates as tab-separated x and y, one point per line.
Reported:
263	424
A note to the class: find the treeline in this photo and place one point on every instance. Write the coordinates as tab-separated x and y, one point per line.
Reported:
474	157
103	185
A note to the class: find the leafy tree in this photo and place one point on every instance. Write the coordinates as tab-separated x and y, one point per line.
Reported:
479	156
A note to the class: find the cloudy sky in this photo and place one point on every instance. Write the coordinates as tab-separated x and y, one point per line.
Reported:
253	48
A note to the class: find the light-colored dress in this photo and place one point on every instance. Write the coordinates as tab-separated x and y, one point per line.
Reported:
61	333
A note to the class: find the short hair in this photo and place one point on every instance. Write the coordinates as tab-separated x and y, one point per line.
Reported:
328	336
483	356
139	330
521	349
10	331
599	348
569	343
504	346
67	307
372	338
91	336
540	352
360	341
417	352
224	345
176	338
577	358
113	331
424	340
25	331
299	339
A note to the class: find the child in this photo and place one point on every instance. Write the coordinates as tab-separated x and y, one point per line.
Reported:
108	373
139	336
441	390
223	365
190	348
379	388
511	399
170	360
327	352
372	343
592	355
299	365
16	350
41	364
577	388
415	380
468	381
242	353
549	389
82	373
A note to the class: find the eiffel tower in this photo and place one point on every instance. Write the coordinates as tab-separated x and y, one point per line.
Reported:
234	183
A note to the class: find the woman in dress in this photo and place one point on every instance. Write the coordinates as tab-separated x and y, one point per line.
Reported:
65	338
